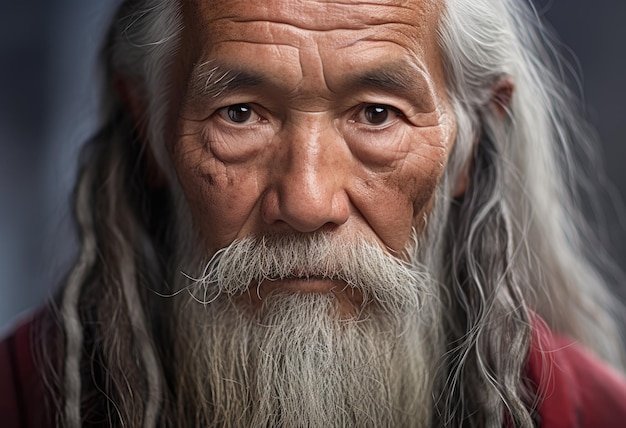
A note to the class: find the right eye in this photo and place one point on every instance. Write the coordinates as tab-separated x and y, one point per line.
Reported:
240	114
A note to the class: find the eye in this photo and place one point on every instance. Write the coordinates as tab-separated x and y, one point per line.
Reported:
376	114
240	114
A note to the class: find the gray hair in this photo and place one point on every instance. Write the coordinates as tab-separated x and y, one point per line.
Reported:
515	240
518	246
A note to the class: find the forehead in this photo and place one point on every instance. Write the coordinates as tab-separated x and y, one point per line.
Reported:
321	15
398	27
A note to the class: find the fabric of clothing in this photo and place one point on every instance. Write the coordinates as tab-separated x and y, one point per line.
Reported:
574	388
23	399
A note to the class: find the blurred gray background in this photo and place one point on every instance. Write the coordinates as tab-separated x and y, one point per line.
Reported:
48	106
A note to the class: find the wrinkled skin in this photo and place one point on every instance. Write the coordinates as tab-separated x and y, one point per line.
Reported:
338	121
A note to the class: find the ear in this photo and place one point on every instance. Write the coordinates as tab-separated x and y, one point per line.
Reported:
501	95
500	101
135	104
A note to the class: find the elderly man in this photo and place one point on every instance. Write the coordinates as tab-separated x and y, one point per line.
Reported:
315	213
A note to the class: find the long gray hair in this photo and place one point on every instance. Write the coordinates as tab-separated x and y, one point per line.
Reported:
515	240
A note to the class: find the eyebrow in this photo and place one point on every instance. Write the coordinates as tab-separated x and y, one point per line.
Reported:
211	79
389	77
398	78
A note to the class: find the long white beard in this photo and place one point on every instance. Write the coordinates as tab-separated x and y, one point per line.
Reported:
296	363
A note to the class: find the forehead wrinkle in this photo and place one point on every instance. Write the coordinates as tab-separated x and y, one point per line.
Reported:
343	27
314	80
321	16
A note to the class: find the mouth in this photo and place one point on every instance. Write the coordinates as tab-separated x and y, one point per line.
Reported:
348	299
303	284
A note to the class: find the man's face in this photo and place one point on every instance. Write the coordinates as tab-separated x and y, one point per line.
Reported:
304	116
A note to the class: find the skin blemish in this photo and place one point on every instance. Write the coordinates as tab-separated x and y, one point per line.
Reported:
209	179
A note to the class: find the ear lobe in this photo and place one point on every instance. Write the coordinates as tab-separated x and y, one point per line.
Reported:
135	105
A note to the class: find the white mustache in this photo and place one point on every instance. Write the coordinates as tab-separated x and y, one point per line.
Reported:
393	284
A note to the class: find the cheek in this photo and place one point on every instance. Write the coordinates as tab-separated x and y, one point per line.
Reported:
221	198
394	202
421	184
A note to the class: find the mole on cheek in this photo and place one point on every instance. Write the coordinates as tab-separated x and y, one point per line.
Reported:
208	178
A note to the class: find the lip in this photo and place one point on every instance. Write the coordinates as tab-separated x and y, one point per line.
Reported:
304	285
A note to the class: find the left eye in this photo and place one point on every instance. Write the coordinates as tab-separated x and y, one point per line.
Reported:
239	114
376	114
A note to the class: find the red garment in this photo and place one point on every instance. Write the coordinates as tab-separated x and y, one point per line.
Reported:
576	389
23	403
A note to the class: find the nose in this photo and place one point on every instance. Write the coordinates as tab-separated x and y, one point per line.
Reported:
309	179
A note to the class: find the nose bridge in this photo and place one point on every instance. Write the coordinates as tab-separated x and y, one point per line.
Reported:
310	186
309	160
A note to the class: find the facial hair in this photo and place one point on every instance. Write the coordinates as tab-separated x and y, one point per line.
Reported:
298	360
